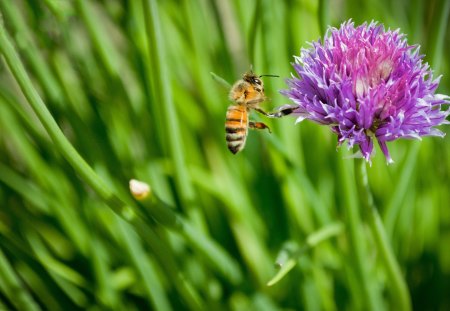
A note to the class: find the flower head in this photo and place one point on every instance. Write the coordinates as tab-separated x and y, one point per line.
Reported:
367	83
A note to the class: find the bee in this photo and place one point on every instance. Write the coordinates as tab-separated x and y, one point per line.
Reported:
247	94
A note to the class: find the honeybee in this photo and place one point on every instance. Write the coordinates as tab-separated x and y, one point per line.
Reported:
246	94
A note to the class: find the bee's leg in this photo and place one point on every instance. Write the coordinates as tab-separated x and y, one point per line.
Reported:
282	111
257	109
258	126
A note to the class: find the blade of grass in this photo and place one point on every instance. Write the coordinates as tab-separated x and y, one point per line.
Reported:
311	241
72	86
106	49
215	255
61	9
161	81
13	288
253	31
30	49
246	224
404	183
22	186
438	39
226	85
232	34
67	279
167	261
146	269
324	15
107	294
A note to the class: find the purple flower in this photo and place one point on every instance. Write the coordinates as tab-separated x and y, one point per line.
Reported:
367	83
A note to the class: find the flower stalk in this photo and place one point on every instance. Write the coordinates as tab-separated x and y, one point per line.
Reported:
366	298
396	280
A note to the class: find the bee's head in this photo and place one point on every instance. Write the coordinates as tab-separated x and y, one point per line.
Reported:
251	78
255	80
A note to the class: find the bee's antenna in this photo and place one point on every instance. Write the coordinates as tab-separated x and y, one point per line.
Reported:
275	76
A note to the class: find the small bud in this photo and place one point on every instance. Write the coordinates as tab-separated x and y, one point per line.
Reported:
139	190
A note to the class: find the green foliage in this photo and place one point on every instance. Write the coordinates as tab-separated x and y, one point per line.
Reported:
130	85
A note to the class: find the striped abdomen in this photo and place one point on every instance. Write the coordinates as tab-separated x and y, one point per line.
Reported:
236	127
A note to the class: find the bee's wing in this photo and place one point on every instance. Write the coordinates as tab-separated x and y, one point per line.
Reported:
221	81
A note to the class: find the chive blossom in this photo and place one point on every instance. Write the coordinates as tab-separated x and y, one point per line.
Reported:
367	84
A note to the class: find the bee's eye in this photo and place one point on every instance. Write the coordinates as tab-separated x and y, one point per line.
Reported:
258	81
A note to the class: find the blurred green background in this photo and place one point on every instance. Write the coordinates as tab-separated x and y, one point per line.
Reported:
129	84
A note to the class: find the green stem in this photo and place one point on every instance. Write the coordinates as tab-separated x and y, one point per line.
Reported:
368	299
255	22
289	257
103	45
157	59
324	15
405	180
438	40
212	251
171	268
12	286
32	54
61	143
394	274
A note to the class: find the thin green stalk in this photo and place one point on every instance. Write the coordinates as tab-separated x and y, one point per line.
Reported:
168	262
214	253
396	280
107	293
169	114
403	186
354	227
61	143
256	20
102	42
439	38
324	15
152	284
288	262
11	285
14	14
